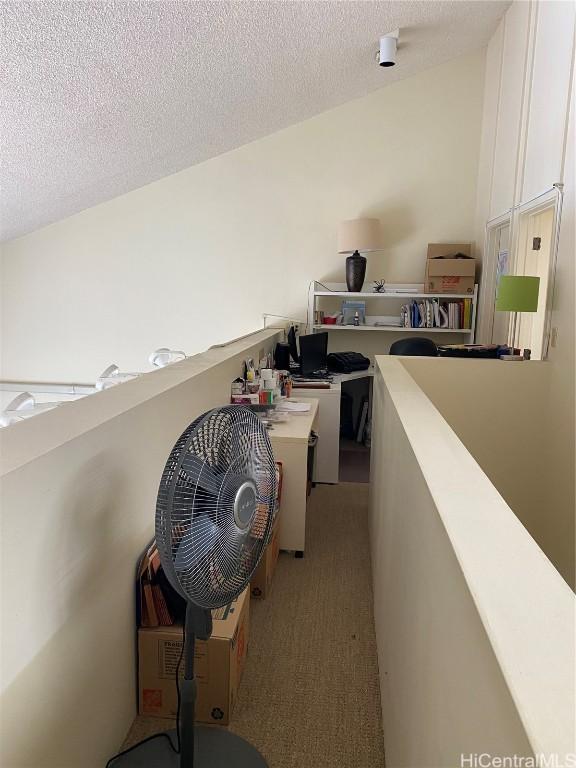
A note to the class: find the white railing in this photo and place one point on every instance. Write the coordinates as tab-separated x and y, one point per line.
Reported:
79	487
475	627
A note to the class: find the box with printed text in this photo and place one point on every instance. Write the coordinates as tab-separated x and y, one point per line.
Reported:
450	268
218	665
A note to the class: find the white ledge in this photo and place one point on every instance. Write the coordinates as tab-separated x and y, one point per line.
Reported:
526	607
26	440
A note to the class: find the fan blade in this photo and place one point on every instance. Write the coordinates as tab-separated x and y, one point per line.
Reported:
196	543
199	473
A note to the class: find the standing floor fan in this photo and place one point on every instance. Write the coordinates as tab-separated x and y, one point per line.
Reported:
215	511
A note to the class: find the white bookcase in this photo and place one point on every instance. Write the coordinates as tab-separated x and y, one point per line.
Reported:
392	299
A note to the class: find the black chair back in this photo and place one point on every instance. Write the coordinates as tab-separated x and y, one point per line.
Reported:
414	346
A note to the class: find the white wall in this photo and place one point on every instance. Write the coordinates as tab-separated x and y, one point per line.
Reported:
528	136
491	407
488	133
197	257
560	411
549	94
511	102
474	626
525	131
79	487
529	64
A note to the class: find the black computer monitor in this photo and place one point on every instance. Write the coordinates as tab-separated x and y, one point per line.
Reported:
292	343
313	353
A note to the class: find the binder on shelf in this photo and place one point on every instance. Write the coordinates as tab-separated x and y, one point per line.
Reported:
433	313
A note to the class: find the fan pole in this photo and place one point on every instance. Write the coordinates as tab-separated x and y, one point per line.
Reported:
188	694
198	624
187	722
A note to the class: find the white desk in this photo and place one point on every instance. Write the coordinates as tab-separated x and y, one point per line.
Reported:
290	445
326	468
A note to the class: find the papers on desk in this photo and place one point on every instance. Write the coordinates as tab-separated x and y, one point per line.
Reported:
291	406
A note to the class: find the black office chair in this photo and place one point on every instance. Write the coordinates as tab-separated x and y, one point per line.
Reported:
415	346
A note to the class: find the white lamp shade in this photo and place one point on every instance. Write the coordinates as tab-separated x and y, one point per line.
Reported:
359	235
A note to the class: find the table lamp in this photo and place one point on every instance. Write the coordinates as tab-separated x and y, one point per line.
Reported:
356	236
517	293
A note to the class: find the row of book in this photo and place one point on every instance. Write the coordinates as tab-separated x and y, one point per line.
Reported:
433	313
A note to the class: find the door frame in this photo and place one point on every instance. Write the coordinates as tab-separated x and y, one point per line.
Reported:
549	200
515	219
489	270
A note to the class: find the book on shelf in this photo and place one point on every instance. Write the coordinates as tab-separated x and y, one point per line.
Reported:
435	313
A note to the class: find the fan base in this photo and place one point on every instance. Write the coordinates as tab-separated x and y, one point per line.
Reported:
213	748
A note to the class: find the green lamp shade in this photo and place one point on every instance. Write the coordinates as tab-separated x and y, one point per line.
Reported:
517	293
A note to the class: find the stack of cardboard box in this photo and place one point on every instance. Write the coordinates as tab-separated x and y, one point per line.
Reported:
450	268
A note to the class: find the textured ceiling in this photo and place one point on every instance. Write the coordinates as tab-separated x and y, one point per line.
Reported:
99	98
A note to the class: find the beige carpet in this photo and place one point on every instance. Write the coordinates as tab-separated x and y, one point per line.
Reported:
309	696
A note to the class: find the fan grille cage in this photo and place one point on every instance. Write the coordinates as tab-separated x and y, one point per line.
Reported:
206	555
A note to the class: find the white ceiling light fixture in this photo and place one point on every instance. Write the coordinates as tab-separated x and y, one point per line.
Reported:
111	376
22	407
164	356
388	47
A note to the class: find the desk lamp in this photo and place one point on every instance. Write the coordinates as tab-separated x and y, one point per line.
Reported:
355	236
517	293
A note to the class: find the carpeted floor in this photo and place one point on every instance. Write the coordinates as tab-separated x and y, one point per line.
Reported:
309	696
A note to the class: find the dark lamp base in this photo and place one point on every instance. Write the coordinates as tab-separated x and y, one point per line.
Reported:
355	272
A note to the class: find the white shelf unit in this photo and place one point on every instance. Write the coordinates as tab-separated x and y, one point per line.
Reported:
393	292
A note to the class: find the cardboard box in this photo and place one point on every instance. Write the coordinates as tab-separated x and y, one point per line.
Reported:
261	581
218	665
445	274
